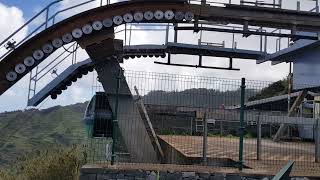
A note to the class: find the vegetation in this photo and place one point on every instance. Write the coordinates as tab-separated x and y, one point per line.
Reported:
274	89
24	132
59	163
196	97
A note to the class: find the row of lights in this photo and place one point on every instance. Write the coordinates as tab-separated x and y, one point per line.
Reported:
87	29
145	55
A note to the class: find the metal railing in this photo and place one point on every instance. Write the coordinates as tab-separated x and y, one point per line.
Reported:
44	24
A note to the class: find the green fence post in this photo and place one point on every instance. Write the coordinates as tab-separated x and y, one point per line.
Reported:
242	127
115	118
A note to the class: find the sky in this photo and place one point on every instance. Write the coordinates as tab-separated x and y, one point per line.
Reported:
14	13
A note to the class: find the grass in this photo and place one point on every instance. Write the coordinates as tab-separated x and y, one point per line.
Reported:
58	163
24	132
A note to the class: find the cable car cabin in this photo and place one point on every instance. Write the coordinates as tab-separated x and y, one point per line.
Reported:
98	117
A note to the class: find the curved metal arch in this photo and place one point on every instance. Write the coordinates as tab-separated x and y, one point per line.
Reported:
238	14
78	21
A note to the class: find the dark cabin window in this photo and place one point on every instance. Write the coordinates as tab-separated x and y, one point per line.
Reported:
102	126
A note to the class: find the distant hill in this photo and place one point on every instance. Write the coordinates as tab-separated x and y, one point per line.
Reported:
197	97
31	130
274	89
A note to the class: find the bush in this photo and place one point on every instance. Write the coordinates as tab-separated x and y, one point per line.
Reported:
56	164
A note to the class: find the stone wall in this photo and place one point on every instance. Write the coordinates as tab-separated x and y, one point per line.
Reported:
153	175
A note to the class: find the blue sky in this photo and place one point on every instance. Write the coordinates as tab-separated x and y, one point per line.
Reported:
29	7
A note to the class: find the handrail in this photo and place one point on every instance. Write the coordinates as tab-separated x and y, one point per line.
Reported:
24	39
60	55
30	20
72	7
46	9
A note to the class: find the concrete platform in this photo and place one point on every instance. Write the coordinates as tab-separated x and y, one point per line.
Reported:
274	154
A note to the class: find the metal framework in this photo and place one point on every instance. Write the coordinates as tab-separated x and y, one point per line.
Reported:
192	12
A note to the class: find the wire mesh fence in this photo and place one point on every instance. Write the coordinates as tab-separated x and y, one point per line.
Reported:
156	119
195	121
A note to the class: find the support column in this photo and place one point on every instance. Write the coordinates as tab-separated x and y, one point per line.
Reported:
106	58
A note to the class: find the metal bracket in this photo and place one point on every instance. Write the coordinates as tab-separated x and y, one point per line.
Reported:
246	29
168	63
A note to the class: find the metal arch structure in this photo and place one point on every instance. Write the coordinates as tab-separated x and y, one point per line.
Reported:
74	26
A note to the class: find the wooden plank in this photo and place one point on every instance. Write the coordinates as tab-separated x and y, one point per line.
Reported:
295	105
275	155
147	119
284	173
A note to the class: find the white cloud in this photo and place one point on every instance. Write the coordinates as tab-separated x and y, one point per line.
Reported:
11	18
70	3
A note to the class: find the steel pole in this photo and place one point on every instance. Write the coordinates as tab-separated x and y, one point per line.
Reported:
259	135
317	140
115	118
205	139
242	128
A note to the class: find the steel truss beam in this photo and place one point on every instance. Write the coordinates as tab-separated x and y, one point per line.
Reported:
246	33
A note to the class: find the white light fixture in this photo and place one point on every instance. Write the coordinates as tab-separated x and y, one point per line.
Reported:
38	54
77	33
20	68
57	43
148	15
128	18
67	38
189	16
138	16
11	76
179	16
97	25
47	48
169	15
28	61
117	20
107	23
159	15
87	29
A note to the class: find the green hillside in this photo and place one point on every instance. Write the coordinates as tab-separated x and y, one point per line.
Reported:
23	132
